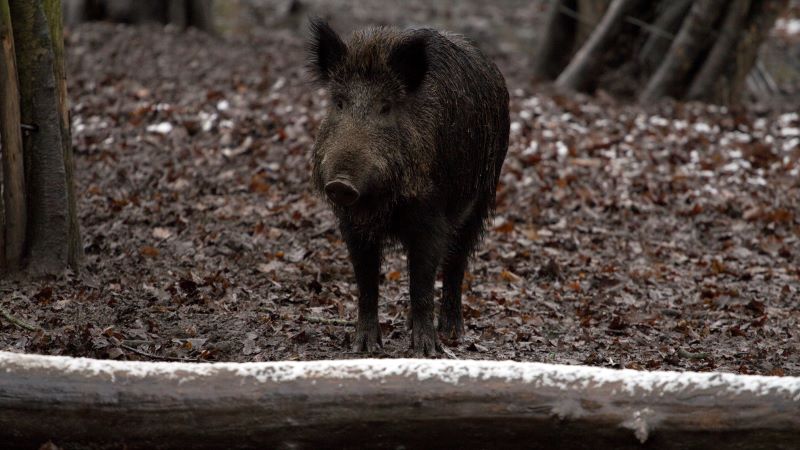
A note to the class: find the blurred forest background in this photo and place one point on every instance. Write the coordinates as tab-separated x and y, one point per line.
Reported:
624	42
636	227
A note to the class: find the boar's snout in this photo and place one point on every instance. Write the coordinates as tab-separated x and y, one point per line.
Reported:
342	192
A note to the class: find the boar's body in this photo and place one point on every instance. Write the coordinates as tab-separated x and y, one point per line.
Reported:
410	151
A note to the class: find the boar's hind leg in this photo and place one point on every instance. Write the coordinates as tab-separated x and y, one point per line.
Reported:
366	259
424	256
451	323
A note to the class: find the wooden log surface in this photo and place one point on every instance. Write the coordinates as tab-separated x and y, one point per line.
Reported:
85	403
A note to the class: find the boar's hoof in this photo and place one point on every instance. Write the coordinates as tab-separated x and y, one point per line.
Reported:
424	342
341	192
451	329
368	337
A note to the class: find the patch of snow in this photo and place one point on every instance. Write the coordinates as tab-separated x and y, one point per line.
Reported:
791	144
455	372
561	149
160	128
531	149
702	127
731	167
207	120
790	26
757	181
279	84
659	121
788	118
790	132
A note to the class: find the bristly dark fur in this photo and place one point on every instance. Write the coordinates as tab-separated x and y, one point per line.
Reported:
409	60
325	49
418	123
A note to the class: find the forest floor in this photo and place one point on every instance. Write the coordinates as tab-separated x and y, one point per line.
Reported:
665	237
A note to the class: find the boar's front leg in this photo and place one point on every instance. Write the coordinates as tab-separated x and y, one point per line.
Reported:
424	254
366	258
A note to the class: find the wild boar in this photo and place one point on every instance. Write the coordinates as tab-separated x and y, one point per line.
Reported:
410	152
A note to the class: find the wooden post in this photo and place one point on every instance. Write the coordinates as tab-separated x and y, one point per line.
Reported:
408	403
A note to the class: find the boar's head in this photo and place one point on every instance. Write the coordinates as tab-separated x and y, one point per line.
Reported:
375	145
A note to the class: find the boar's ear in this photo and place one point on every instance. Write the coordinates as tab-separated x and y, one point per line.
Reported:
409	60
325	49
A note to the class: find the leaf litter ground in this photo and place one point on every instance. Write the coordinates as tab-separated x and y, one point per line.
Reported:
657	238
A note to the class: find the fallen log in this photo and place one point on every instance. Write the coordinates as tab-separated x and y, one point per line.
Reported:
80	403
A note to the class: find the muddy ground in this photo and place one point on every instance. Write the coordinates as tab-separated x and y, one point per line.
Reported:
651	238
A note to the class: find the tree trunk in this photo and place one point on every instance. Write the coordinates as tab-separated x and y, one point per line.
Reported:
590	14
583	68
181	13
14	207
177	13
721	53
200	15
696	49
657	44
691	41
84	403
762	16
54	20
49	234
556	41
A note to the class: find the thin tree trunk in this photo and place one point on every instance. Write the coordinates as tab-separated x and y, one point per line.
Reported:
48	211
760	21
181	13
177	12
200	15
591	12
556	41
691	41
706	83
669	21
54	20
583	68
14	208
75	12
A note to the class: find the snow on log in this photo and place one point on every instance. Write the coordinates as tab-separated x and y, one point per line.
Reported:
77	402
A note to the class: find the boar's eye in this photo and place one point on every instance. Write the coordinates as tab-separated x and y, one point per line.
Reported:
338	102
386	108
